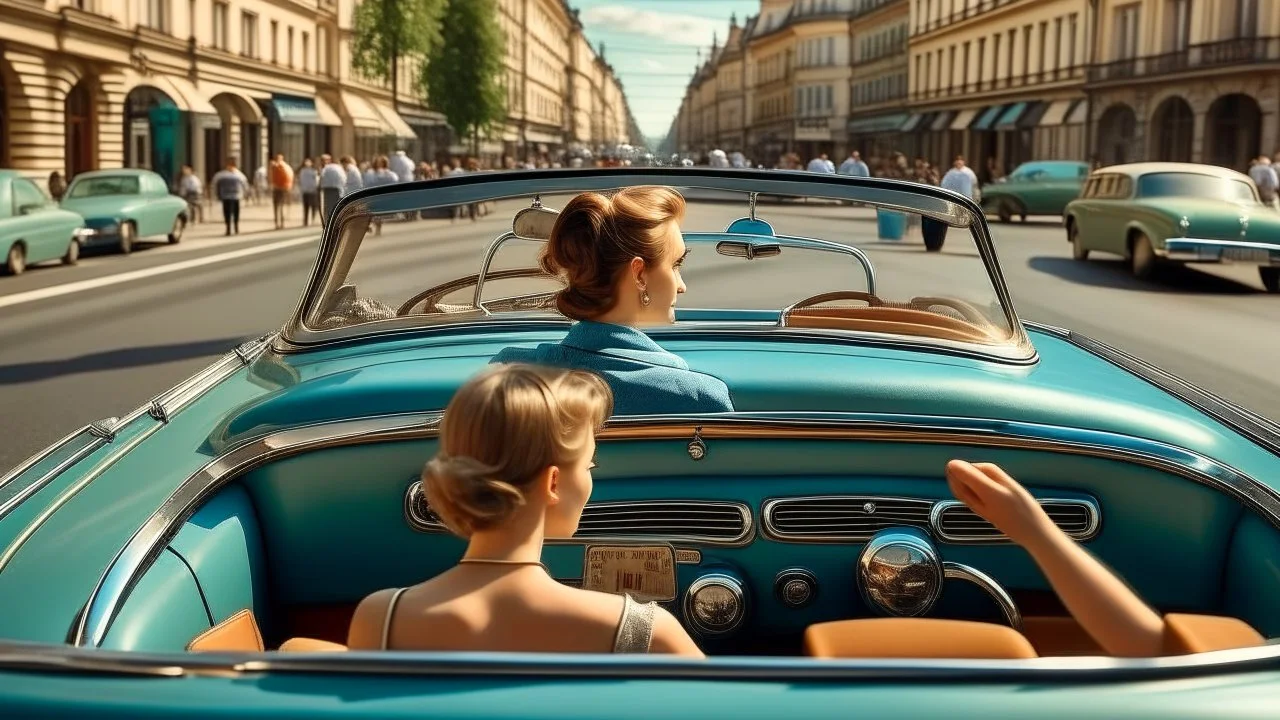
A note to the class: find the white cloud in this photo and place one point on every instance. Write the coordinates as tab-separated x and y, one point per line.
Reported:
651	64
669	27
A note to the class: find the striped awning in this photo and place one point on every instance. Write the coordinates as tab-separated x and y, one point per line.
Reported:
987	118
1056	114
963	119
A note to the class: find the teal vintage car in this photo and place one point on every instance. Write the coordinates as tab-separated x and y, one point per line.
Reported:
246	511
121	207
1043	187
32	227
1154	214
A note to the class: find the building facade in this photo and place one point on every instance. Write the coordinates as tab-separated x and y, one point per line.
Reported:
88	84
1186	80
878	82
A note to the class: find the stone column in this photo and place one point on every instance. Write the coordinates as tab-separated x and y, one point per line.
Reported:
37	115
1197	136
109	101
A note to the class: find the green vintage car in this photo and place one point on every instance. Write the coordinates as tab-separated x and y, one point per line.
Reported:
1158	213
1035	188
175	561
32	227
123	206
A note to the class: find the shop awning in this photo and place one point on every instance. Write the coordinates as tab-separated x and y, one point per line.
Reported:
1079	114
877	124
1056	113
987	118
943	121
184	95
535	136
363	114
963	119
912	122
1031	117
305	111
1008	119
394	122
245	101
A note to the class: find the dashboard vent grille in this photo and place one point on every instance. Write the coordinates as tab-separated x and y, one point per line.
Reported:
841	518
954	522
704	522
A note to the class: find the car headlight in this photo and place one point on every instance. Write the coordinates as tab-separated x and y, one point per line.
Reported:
1185	224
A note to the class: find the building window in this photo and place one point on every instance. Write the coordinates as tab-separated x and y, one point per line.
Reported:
221	19
982	60
1057	44
1013	42
1026	50
1073	30
275	41
1177	29
995	59
157	15
1044	47
289	45
951	63
306	51
248	34
1246	18
1126	29
964	69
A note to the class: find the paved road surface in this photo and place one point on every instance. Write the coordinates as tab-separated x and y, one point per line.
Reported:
104	349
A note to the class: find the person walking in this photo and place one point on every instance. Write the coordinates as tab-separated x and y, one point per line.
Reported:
231	185
309	188
281	176
1264	176
57	186
854	166
333	181
380	174
402	166
959	179
355	181
192	190
821	164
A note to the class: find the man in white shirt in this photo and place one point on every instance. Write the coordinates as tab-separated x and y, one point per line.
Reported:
309	188
402	166
1264	176
961	179
333	180
355	180
821	164
854	166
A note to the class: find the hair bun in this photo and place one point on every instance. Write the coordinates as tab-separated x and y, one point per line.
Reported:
466	495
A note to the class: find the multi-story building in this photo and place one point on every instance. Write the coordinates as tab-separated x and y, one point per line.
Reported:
86	84
770	51
821	76
732	98
1186	80
999	81
878	84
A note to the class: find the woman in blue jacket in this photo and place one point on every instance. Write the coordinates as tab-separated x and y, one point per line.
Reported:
620	257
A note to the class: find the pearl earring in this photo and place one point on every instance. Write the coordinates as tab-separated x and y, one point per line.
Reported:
644	298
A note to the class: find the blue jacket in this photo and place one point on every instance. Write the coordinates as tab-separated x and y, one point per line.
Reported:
645	378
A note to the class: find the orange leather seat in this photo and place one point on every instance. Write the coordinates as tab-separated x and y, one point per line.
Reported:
915	638
1188	634
240	633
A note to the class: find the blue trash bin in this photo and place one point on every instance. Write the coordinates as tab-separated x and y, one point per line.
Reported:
892	224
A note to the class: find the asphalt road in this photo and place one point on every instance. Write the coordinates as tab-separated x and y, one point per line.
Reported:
110	345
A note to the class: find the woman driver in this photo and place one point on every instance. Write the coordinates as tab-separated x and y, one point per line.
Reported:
620	257
505	497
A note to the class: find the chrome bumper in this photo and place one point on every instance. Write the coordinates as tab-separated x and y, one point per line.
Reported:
1220	251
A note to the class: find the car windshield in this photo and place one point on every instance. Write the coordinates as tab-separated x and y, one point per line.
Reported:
844	257
1168	184
104	185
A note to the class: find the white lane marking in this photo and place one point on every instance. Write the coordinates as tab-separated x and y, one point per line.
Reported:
83	285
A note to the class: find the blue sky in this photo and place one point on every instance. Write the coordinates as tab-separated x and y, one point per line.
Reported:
653	44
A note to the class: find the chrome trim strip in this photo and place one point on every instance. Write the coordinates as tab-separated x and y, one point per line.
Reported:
769	528
50	658
124	570
414	496
9	501
169	403
956	571
40	456
1090	532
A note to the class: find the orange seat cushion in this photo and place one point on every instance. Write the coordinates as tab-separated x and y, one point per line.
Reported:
238	633
302	644
1187	634
915	638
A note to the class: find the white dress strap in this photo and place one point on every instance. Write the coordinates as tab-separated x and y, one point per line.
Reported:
635	627
386	622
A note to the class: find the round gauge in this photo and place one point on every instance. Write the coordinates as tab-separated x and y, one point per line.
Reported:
899	572
796	587
715	604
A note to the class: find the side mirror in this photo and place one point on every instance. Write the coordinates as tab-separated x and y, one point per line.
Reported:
748	250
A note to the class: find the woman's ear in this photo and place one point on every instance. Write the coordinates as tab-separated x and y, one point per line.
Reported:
637	268
552	485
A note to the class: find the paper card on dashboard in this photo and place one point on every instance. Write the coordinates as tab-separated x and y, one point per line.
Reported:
645	572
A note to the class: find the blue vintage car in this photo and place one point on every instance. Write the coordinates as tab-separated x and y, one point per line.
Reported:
121	207
261	499
32	227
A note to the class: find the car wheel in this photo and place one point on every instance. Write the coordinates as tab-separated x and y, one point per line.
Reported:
179	225
1142	258
1270	278
16	261
1004	211
73	253
126	238
1078	250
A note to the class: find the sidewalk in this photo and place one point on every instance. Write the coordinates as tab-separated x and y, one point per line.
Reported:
254	218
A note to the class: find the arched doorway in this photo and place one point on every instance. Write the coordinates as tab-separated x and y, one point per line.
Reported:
1233	131
80	124
1116	132
4	113
1173	124
153	131
239	134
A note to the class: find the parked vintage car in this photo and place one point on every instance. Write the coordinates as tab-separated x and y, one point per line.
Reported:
32	227
265	496
121	207
1157	213
1043	187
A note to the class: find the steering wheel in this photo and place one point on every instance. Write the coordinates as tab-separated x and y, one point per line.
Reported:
430	298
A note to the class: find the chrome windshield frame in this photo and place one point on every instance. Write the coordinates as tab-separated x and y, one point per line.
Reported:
340	244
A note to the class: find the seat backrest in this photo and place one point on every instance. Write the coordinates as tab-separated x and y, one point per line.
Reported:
915	638
238	633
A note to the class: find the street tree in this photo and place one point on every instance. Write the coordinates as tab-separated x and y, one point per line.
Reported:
387	30
463	77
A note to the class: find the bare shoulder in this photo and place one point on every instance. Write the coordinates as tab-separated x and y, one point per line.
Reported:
366	623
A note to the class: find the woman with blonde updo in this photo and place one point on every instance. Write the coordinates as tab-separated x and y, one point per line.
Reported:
517	444
620	257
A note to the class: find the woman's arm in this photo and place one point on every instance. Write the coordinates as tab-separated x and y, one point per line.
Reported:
1099	600
670	637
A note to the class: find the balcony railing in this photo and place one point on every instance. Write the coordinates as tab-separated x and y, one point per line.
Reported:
973	10
1004	83
1224	53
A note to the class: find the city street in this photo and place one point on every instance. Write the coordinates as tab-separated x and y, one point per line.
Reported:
79	344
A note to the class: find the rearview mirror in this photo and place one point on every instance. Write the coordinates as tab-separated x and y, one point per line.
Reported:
748	250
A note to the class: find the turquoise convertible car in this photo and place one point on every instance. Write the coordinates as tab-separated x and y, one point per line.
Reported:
185	559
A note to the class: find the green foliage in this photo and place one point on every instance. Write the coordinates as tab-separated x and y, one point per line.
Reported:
463	78
387	29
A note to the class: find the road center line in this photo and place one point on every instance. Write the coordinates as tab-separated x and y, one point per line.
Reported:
84	285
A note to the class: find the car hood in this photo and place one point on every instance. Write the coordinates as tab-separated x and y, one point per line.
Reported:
111	206
1220	219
